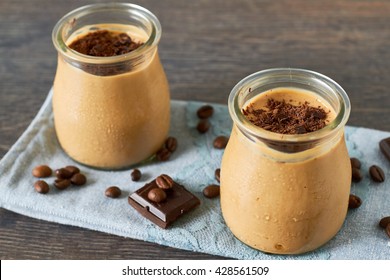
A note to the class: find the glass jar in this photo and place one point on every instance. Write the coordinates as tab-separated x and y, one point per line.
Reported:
110	112
286	194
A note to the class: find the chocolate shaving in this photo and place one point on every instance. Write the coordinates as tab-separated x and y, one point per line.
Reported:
104	43
285	118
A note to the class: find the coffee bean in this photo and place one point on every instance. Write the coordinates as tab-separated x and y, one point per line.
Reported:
113	192
217	174
220	142
211	191
356	175
73	169
41	171
62	184
41	187
203	126
355	163
384	146
205	112
384	222
388	230
78	179
157	195
171	144
377	174
354	201
136	175
63	173
164	182
163	154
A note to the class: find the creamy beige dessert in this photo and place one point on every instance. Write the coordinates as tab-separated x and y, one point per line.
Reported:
116	120
283	202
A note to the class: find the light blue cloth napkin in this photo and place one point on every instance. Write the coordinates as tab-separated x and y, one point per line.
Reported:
192	165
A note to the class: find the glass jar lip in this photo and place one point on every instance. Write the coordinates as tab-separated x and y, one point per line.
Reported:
246	126
62	48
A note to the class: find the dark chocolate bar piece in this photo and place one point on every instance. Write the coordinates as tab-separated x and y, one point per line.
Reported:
178	202
384	145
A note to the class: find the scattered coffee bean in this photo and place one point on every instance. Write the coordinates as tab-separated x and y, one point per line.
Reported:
73	169
384	222
211	191
356	175
41	187
355	163
157	195
377	174
384	146
203	126
217	174
163	154
354	201
136	175
205	112
171	144
41	171
164	182
113	192
62	184
388	230
220	142
78	179
63	173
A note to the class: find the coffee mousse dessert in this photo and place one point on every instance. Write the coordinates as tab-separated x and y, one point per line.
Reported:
111	105
279	196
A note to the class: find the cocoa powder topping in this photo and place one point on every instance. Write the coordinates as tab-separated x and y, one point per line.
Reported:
285	118
104	43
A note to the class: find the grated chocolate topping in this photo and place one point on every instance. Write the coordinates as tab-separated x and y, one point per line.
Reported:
285	118
104	43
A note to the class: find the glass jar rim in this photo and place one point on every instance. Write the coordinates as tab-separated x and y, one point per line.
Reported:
62	48
235	109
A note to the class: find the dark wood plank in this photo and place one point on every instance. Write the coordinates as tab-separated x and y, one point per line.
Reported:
26	238
206	48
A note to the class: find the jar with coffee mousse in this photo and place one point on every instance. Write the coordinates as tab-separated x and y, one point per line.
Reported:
111	99
285	173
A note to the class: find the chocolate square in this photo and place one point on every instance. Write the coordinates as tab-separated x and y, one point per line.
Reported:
179	201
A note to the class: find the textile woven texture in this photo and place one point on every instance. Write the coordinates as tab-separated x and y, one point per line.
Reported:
193	165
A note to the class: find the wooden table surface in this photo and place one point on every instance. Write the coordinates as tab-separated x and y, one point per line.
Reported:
206	48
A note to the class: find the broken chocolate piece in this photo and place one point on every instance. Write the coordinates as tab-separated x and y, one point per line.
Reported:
178	202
